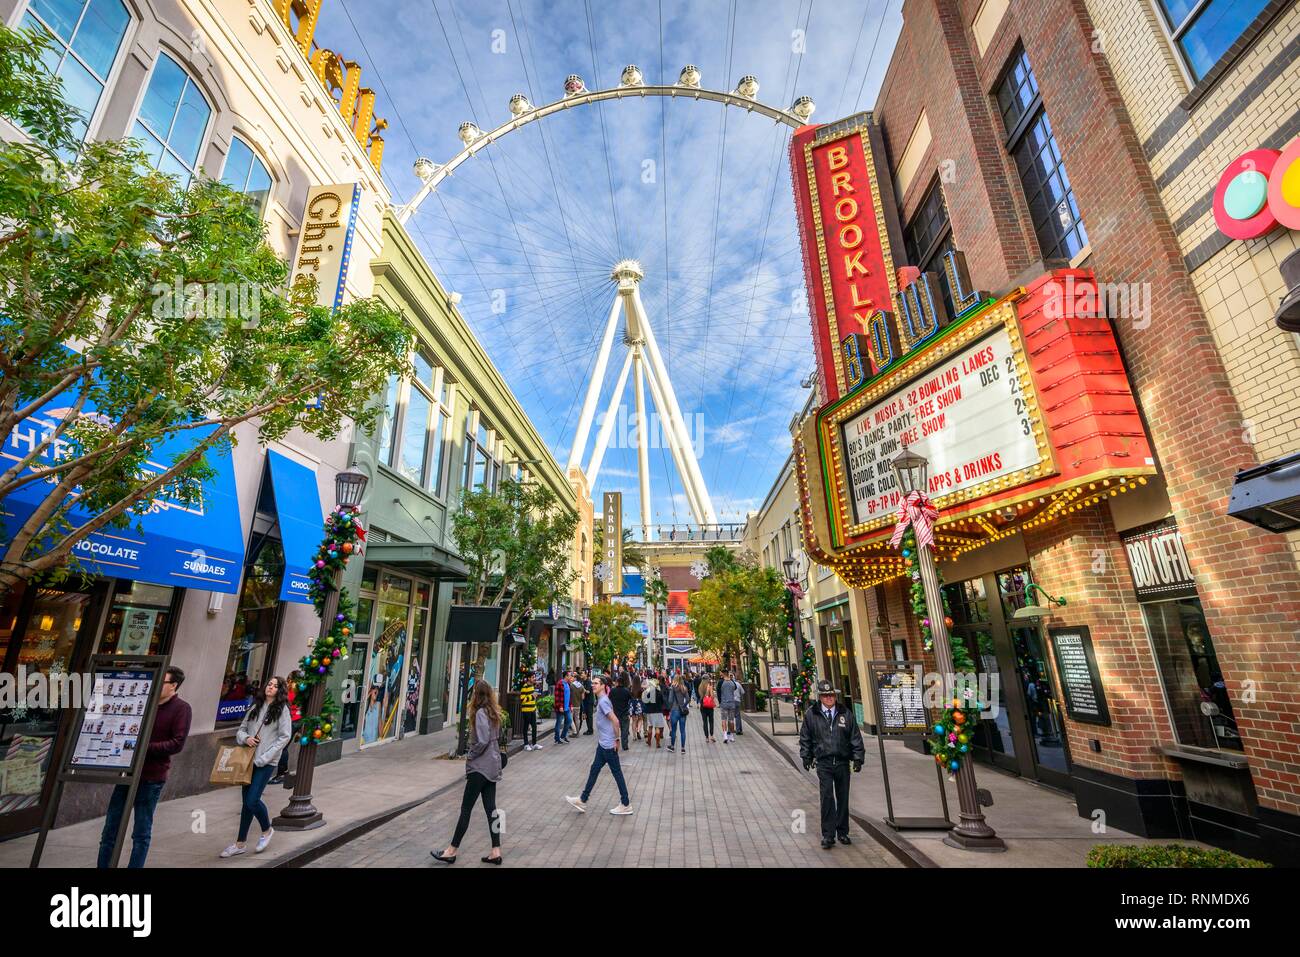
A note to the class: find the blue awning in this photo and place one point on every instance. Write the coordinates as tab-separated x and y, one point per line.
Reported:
302	522
198	545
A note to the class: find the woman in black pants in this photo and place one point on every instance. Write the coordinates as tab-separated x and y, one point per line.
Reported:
707	703
482	772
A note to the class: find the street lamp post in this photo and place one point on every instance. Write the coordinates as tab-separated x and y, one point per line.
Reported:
300	814
911	470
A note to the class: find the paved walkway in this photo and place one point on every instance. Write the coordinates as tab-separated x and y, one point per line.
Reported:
191	831
1041	825
718	805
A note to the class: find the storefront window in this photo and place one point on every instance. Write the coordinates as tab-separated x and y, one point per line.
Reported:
253	640
44	646
1189	668
137	620
389	703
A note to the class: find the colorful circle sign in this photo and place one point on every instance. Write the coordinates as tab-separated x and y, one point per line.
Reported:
1241	207
1284	187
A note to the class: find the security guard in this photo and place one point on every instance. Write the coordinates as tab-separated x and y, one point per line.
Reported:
830	740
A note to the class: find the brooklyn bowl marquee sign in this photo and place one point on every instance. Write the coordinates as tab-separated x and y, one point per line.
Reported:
1020	402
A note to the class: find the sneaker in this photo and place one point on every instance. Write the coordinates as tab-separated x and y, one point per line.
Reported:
578	803
671	748
537	747
278	779
234	850
264	840
528	747
621	809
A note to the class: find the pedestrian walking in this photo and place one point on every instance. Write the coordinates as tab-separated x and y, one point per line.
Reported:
577	694
528	712
589	700
729	702
638	718
171	726
707	706
679	706
607	740
267	726
482	772
654	713
831	741
561	696
621	699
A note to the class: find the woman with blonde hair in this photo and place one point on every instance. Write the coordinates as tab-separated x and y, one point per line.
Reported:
482	772
708	702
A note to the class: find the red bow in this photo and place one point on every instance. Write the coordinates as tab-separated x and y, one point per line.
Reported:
915	510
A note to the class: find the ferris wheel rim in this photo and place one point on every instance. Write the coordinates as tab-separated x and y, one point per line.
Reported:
432	174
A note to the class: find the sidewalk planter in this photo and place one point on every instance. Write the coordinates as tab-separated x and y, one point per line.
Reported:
1166	855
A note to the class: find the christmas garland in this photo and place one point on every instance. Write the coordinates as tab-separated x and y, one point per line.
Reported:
805	681
343	539
950	741
961	659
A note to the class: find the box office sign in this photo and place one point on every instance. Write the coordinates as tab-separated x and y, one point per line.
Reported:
324	250
900	698
1158	563
1076	663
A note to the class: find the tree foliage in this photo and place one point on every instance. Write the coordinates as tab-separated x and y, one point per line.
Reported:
152	312
516	543
612	637
741	605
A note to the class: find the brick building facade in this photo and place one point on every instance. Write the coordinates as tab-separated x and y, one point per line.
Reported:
1035	135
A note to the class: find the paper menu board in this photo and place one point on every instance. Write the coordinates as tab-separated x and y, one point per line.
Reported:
111	722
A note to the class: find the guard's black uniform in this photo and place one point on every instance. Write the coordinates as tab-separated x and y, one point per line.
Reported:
834	745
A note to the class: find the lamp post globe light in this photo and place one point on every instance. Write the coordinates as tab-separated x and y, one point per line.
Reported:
972	833
300	814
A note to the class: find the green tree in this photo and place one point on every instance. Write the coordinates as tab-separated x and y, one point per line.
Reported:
94	248
516	543
656	596
633	554
739	608
612	635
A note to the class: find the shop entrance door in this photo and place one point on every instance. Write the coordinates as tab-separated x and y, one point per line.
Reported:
1026	734
391	695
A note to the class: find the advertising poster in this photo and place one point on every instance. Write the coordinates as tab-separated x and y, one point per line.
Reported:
677	617
112	720
778	679
137	630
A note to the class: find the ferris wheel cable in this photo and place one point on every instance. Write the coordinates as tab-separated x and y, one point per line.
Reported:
717	197
857	45
600	109
406	129
491	158
857	104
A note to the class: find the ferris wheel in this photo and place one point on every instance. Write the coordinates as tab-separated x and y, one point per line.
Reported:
648	202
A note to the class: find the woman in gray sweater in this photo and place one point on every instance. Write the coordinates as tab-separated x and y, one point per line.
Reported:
482	772
267	726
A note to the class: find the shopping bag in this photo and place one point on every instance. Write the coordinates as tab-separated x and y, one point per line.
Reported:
234	765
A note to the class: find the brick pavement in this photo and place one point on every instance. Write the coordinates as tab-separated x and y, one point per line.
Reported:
718	805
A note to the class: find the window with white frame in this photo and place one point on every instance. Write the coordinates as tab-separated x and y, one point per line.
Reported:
482	461
85	37
413	435
1203	30
173	121
246	173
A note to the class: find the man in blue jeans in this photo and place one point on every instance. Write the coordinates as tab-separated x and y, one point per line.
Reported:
562	702
607	735
171	726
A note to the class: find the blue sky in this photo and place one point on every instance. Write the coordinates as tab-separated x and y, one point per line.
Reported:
526	231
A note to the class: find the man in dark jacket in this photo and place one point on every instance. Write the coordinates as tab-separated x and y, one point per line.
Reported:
171	726
831	741
621	699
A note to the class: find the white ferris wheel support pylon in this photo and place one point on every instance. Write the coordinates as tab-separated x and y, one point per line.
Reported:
645	365
677	423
